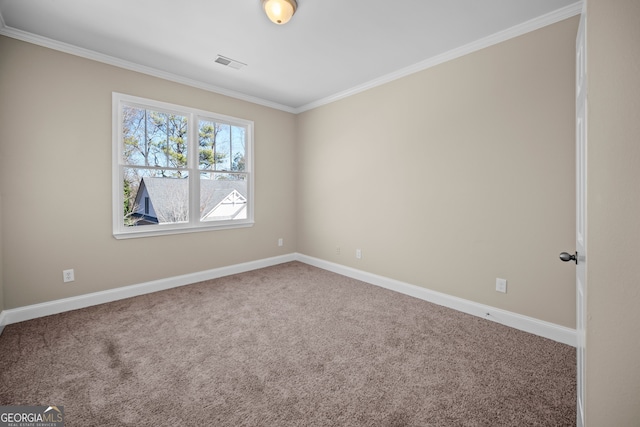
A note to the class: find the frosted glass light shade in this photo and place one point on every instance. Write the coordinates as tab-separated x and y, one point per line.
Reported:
279	11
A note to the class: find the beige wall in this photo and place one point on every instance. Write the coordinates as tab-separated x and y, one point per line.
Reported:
454	176
1	258
55	176
613	214
446	179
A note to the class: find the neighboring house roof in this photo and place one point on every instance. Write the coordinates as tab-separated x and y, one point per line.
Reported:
168	199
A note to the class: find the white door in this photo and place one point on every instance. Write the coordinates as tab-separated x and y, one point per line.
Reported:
581	209
580	255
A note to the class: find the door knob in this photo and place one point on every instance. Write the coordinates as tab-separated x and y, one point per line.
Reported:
564	256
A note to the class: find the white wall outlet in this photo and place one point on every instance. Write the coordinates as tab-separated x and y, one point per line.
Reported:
280	241
358	254
501	285
68	275
337	250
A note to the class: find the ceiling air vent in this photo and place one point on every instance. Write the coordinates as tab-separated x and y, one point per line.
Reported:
228	62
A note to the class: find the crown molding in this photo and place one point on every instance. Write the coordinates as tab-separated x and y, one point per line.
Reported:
515	31
128	65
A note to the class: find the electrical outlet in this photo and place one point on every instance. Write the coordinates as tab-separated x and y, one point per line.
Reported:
358	254
337	250
68	276
280	241
501	285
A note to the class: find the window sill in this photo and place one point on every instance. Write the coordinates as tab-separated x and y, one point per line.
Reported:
164	231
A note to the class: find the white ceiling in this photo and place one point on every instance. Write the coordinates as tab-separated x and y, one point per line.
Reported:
330	48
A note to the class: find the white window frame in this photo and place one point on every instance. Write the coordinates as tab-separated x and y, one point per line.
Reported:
120	231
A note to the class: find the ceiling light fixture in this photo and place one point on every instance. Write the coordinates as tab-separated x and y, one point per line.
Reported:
279	11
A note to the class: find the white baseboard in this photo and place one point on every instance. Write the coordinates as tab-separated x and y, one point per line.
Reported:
2	321
58	306
524	323
514	320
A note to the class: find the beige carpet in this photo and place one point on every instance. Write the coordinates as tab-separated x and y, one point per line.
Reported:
290	345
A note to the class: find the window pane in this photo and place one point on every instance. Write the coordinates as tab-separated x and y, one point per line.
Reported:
153	196
238	143
209	138
223	196
136	149
153	138
222	146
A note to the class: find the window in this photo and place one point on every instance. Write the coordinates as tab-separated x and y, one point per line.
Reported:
177	169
